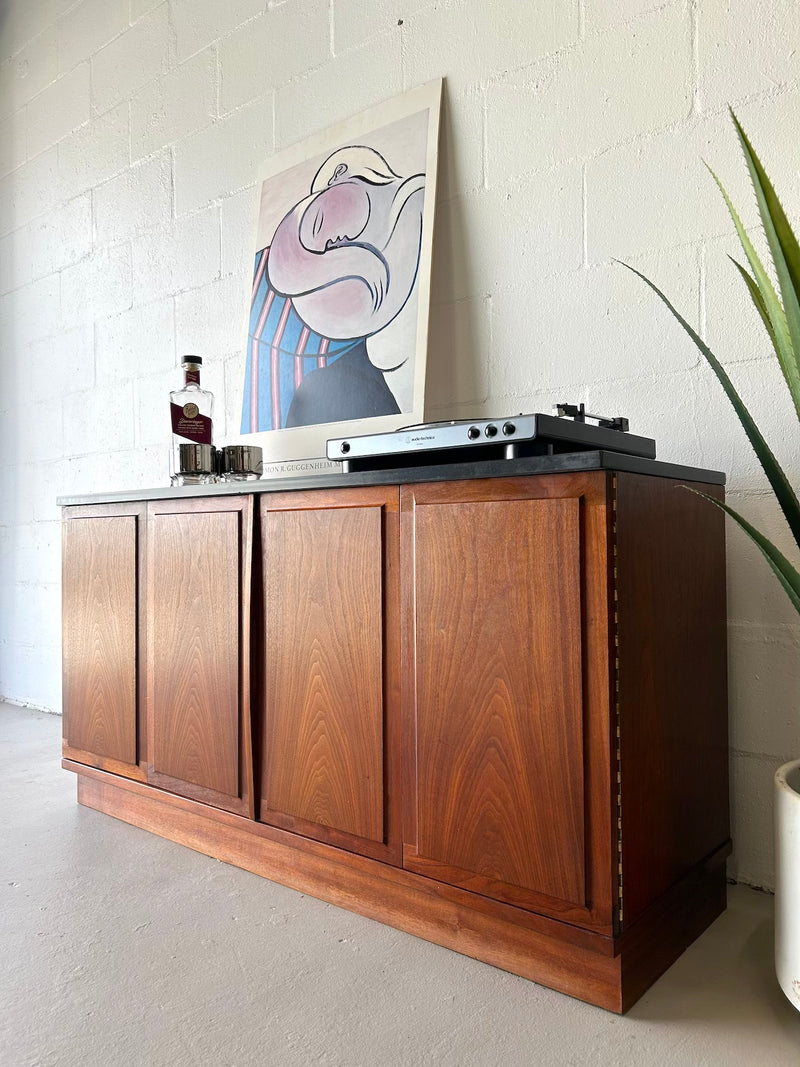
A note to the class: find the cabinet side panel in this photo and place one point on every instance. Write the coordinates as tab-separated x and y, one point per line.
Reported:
672	683
323	747
195	669
99	617
499	735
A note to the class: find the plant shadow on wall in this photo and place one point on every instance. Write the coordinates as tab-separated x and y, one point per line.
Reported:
456	360
781	318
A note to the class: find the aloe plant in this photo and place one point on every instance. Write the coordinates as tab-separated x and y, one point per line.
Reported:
781	318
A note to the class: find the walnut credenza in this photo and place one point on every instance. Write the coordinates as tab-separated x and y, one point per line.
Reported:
489	711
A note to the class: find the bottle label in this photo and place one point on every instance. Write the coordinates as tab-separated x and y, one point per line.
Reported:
187	422
192	376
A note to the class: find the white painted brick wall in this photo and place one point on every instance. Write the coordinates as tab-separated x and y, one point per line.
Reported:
137	200
97	286
600	15
222	158
61	108
478	42
208	319
130	136
51	241
13	144
368	75
585	99
30	312
201	22
236	221
95	152
132	60
29	70
86	27
30	191
141	7
54	379
182	256
726	32
272	49
121	351
176	104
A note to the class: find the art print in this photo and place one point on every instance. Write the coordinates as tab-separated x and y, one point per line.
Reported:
337	327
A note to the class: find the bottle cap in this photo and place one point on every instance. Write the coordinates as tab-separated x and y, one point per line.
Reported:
191	359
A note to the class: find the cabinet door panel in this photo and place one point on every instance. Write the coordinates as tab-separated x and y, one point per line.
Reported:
325	747
197	596
100	630
497	783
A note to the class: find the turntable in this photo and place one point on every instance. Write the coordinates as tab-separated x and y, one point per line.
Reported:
471	440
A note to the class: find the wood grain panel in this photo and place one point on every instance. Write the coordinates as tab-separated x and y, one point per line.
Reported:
672	682
499	734
323	740
195	608
350	862
100	636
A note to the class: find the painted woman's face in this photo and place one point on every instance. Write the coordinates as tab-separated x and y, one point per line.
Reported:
348	253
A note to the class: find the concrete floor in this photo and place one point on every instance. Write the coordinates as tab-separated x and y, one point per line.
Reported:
120	948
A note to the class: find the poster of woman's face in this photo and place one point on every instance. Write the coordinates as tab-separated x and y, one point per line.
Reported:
337	327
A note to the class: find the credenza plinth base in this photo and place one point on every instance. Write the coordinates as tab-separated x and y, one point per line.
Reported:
611	972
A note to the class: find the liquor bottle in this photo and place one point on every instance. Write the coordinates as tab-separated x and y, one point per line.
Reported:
192	411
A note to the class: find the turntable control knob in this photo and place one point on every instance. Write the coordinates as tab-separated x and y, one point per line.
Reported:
508	428
473	432
490	430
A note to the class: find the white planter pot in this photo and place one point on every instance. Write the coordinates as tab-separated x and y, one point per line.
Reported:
787	880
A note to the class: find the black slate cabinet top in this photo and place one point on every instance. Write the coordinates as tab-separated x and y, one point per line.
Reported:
442	472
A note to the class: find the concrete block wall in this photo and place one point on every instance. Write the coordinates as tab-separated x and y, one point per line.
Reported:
573	135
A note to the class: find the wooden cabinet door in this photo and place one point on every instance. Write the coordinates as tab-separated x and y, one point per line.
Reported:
506	691
101	546
329	746
198	634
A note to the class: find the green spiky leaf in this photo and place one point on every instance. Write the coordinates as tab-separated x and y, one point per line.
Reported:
788	354
786	574
777	479
758	300
782	241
